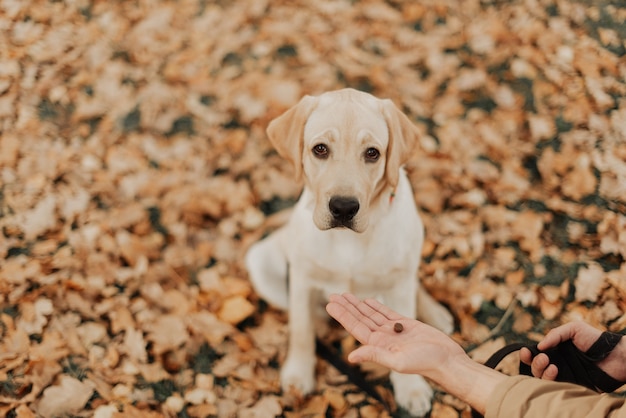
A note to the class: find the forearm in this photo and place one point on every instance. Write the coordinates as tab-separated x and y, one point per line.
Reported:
471	382
523	396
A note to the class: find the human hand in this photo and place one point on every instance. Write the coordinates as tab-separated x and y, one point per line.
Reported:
583	336
418	348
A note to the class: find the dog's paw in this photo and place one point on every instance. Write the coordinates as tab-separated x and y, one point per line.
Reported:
412	393
298	374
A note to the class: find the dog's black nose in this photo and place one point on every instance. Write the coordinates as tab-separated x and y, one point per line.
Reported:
343	209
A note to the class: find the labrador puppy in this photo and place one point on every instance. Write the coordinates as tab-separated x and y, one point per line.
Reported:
354	228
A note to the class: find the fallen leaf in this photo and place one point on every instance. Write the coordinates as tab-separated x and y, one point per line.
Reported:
235	309
589	283
68	397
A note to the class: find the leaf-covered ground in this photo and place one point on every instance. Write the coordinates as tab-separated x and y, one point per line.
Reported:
135	171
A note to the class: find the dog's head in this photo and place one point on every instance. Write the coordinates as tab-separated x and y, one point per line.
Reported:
349	147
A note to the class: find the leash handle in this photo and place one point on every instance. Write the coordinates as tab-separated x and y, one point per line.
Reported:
574	365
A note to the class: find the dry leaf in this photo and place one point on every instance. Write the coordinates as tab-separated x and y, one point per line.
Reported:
268	406
168	332
589	283
235	310
209	326
68	397
134	345
444	411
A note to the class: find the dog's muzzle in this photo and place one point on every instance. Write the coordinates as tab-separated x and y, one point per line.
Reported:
343	210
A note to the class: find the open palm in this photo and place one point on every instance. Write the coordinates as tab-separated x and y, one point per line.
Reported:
418	348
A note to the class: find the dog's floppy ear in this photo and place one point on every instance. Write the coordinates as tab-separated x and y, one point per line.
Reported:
286	132
403	136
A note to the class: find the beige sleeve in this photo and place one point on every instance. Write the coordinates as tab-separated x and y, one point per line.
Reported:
523	396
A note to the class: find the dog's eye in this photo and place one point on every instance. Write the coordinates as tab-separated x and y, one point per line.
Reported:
320	151
371	155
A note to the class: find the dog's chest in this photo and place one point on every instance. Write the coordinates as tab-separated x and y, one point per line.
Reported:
346	261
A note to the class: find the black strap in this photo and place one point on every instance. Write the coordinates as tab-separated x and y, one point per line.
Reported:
354	374
574	365
603	346
499	355
580	367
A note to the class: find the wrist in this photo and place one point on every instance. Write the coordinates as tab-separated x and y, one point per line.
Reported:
468	380
614	365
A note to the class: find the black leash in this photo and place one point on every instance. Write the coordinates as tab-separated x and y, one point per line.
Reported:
354	374
574	365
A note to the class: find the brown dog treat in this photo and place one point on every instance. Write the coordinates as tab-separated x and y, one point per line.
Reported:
397	327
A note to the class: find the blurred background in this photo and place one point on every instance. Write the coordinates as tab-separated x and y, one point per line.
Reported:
135	171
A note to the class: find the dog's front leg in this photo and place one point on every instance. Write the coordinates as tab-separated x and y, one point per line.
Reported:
298	371
411	391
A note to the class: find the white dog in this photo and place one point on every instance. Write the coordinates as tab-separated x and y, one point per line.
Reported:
355	227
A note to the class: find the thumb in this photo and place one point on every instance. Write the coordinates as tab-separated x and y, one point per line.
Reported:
556	336
370	353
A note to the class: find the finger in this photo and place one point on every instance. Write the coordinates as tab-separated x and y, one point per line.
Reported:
381	314
370	353
340	308
539	364
368	309
356	307
359	327
525	356
552	339
550	373
347	320
334	297
371	316
556	336
360	354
